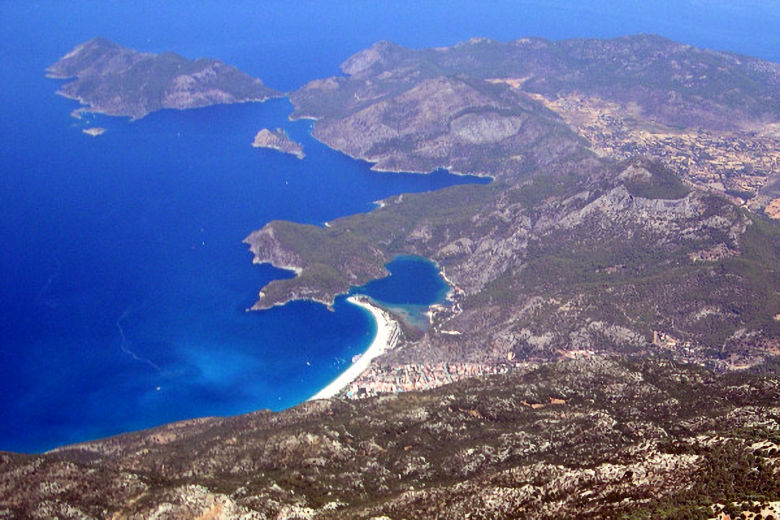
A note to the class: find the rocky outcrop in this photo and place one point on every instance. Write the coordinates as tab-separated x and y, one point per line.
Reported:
117	81
464	125
278	140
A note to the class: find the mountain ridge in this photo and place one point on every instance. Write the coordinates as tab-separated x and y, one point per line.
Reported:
581	439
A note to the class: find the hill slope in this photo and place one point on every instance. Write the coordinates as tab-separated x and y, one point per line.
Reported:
118	81
582	439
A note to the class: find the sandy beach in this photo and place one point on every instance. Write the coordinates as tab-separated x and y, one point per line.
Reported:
385	335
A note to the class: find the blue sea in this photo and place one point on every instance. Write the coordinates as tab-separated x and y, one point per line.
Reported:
123	279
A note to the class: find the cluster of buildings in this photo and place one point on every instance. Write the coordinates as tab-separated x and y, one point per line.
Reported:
664	340
734	161
406	378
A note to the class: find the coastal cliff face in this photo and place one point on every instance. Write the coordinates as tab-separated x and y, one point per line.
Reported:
709	116
583	439
117	81
462	124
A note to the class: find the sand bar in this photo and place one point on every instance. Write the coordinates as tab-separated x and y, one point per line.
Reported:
386	335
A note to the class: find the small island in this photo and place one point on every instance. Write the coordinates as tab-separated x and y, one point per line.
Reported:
278	140
94	131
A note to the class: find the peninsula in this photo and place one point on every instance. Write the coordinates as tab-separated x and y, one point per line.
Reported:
111	79
278	140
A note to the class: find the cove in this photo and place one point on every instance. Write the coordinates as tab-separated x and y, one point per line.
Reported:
123	280
414	285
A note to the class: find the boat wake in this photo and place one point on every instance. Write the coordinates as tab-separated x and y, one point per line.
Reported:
124	345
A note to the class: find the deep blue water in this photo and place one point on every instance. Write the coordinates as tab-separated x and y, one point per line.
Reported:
123	280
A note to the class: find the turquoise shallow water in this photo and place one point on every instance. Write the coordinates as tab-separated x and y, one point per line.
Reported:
123	280
413	285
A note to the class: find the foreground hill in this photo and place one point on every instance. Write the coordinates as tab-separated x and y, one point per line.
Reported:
114	80
581	439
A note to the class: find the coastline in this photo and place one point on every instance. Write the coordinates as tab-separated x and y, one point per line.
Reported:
386	335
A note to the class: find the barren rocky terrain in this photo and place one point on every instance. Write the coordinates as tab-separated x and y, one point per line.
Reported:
592	438
278	140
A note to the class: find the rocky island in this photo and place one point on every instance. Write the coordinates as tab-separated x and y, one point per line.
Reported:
278	140
612	346
94	131
111	79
